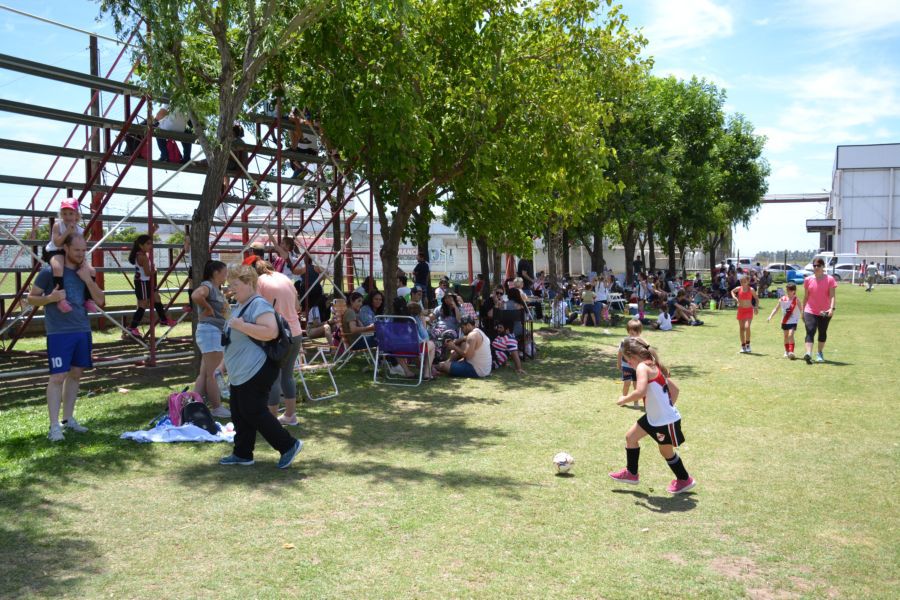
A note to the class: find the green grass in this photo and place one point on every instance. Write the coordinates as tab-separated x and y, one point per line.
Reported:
448	491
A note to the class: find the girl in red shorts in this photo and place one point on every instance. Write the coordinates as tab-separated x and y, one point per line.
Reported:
748	305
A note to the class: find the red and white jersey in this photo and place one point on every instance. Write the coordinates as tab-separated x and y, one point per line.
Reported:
660	410
790	310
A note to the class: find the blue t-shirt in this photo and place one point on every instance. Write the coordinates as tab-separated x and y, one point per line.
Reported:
56	321
243	356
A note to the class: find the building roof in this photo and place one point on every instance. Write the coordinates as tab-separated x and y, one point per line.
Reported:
869	156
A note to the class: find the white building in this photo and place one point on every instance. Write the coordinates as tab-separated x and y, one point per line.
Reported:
863	215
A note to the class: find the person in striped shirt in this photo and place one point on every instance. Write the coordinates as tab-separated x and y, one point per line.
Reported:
504	347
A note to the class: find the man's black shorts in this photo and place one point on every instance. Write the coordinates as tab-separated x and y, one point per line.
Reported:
664	434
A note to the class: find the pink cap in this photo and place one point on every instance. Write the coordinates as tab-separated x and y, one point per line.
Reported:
69	203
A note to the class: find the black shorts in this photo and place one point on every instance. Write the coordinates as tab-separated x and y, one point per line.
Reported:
142	289
628	374
788	326
664	434
46	255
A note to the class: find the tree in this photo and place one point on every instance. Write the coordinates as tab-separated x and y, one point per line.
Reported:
206	57
741	182
128	235
416	95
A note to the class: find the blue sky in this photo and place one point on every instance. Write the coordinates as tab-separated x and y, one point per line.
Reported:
810	74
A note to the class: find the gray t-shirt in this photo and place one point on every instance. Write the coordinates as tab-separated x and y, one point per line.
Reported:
217	301
56	321
243	356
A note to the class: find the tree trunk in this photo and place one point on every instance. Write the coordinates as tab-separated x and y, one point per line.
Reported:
597	261
485	262
496	260
642	246
651	249
336	245
712	245
564	248
681	251
670	249
629	241
423	236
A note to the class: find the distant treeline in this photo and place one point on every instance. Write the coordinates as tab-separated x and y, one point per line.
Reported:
800	257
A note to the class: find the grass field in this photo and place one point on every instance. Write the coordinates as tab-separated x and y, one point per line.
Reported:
448	490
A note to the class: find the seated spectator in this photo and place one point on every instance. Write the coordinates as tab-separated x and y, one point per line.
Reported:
403	290
448	312
470	356
372	306
443	287
504	347
367	287
416	294
351	327
415	311
302	140
680	309
168	119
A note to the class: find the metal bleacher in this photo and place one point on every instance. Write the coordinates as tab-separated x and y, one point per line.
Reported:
104	150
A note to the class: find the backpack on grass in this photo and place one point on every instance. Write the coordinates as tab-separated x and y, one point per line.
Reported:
178	401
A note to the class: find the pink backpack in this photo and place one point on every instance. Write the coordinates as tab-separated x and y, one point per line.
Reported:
177	401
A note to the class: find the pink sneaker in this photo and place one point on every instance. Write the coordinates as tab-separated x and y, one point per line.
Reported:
64	306
624	476
170	323
679	486
91	306
135	332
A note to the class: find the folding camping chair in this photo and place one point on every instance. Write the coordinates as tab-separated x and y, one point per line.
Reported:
318	362
346	350
398	338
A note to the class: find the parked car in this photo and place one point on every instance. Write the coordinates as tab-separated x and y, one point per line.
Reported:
744	263
785	267
844	271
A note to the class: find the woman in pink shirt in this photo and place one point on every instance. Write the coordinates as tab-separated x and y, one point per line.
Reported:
818	308
280	292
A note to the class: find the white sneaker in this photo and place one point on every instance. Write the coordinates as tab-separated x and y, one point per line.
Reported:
220	412
397	370
56	434
785	355
749	351
790	355
74	425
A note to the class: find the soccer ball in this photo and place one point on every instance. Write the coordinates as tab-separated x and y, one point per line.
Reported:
564	462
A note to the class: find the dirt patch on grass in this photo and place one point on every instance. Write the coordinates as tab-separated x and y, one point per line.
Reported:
739	568
757	581
675	559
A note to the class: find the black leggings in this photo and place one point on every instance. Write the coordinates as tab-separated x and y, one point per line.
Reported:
250	414
814	322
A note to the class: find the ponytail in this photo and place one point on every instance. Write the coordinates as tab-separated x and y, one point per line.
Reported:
640	349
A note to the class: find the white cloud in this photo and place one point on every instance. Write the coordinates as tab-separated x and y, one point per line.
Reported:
833	105
843	21
687	24
761	22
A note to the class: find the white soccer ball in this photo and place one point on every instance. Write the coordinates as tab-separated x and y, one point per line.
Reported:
564	462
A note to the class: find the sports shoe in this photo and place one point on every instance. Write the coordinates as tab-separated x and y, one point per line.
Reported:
785	355
624	476
74	425
64	306
820	358
396	370
749	351
807	358
169	322
221	412
791	356
288	422
56	434
135	332
231	459
679	486
288	457
91	306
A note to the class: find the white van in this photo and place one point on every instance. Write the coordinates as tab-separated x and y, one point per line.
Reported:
839	266
744	263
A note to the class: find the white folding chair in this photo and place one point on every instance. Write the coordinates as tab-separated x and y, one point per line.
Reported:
346	350
318	362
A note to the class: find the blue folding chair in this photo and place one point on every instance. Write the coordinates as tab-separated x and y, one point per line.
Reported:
397	337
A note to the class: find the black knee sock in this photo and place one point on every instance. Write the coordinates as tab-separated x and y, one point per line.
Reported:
632	455
160	311
136	318
678	467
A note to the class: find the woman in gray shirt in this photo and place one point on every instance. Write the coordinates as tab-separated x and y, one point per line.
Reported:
251	373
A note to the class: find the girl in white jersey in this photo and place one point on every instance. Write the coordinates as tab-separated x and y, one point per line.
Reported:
791	308
662	420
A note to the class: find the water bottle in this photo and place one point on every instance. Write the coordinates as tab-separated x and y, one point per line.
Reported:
224	392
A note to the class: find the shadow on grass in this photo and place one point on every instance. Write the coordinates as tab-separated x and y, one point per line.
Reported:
52	564
662	504
277	481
